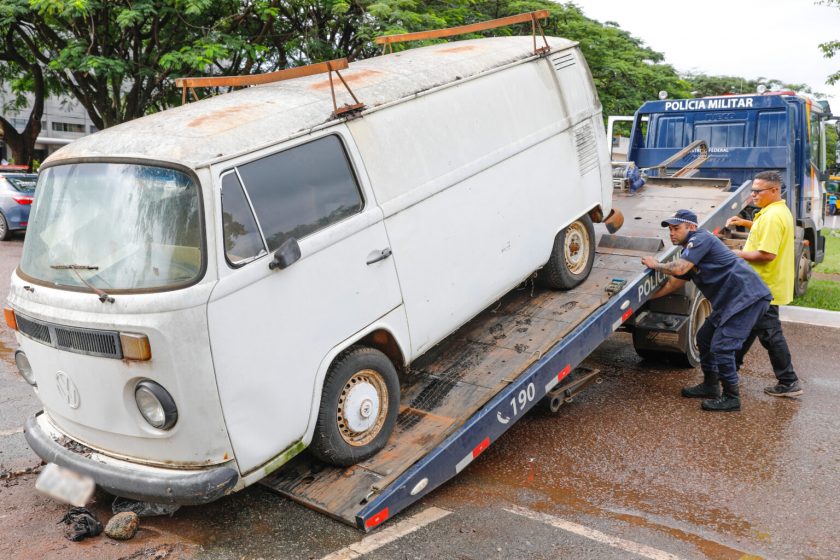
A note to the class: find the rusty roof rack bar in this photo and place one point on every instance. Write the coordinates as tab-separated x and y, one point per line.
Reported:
329	67
534	17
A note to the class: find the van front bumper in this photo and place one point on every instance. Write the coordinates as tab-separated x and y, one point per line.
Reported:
130	480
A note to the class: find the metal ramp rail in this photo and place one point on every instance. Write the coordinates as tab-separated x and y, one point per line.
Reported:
691	167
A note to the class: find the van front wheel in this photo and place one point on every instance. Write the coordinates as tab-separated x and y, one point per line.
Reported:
359	407
571	256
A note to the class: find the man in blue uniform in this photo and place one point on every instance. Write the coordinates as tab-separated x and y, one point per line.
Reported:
738	297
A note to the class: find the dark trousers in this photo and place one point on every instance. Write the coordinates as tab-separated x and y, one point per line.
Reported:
719	342
768	331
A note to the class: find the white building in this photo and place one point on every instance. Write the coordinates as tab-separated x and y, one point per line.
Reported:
64	120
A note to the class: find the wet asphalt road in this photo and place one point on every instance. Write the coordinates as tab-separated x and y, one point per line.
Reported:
629	462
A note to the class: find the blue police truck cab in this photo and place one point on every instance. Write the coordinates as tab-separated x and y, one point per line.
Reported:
741	135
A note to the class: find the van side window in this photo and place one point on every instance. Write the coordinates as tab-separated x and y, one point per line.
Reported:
301	190
241	235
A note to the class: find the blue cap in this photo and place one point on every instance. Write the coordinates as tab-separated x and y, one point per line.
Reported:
681	217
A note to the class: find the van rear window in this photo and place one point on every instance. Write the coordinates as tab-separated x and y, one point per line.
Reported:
301	190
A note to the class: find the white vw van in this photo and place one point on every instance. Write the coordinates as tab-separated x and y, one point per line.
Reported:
207	291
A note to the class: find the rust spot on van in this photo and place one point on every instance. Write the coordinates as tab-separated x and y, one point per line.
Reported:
354	77
228	118
462	48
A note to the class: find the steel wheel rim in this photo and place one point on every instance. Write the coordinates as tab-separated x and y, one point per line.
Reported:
805	265
701	313
349	408
576	248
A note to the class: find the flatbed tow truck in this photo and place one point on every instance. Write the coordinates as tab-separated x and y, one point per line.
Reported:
467	391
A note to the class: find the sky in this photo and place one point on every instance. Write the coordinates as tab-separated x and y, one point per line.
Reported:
749	38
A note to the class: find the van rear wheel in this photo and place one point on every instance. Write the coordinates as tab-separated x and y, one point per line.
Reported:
359	406
571	257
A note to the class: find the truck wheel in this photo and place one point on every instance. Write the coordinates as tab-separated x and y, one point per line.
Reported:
803	271
698	312
701	308
359	407
571	256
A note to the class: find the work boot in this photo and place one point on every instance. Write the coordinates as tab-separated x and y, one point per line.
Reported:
707	390
780	390
729	401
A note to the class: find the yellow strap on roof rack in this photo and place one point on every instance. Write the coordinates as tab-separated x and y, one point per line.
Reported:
329	66
534	17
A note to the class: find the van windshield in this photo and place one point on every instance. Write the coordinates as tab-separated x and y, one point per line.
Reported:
114	226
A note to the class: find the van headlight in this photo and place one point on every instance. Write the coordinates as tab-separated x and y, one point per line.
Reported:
25	368
156	405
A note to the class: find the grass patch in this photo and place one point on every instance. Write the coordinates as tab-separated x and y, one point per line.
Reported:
821	294
831	264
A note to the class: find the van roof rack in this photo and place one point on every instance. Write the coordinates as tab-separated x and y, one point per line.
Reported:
329	67
387	41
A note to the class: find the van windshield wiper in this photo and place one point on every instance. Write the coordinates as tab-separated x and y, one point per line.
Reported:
103	297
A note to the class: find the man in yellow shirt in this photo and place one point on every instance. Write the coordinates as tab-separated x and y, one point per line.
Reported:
770	251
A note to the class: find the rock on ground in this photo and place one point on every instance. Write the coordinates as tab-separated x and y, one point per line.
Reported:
123	526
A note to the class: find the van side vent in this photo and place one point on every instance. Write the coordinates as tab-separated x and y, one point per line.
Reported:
105	344
563	60
587	148
33	329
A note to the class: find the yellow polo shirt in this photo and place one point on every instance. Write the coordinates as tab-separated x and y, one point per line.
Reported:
772	232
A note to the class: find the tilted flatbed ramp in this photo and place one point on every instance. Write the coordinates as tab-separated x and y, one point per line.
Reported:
468	390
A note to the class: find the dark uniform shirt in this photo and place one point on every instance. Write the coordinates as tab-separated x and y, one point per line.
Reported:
726	280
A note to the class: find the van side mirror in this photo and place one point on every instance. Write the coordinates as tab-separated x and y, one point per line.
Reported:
286	255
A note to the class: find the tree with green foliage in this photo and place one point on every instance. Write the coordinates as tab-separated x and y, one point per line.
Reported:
831	48
118	57
704	86
831	149
23	79
625	71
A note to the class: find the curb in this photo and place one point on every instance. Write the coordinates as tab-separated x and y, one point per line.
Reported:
809	316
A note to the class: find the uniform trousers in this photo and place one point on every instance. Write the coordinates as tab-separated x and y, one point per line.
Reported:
720	341
768	331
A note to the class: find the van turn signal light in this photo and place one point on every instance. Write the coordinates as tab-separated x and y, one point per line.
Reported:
11	320
135	347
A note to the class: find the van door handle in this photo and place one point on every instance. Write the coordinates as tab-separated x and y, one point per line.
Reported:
383	254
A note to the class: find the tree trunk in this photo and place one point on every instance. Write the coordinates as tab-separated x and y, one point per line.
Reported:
21	144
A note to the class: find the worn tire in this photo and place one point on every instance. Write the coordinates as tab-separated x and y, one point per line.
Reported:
571	256
701	308
4	228
359	406
803	271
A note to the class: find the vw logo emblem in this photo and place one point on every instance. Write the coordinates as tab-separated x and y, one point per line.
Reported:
67	389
